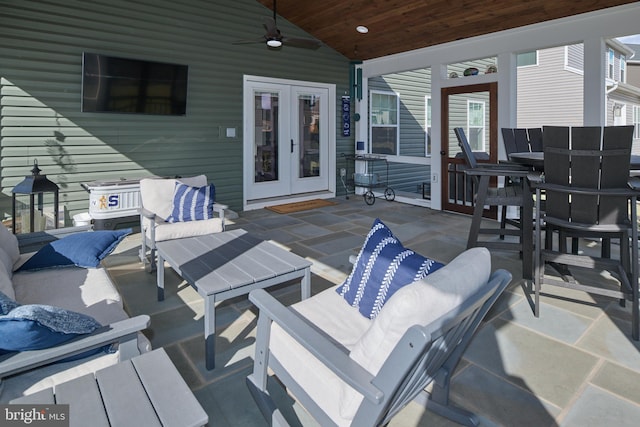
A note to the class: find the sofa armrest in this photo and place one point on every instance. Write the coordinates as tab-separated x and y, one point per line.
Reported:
316	343
31	242
124	332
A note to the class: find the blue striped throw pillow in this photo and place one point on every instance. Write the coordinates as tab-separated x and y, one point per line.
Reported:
192	203
383	266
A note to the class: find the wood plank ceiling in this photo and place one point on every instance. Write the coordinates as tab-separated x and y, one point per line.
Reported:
401	25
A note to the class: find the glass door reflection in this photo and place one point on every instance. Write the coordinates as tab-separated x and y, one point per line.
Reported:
266	142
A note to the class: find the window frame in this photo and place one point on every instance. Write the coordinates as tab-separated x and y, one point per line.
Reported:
611	55
373	125
623	68
427	125
636	122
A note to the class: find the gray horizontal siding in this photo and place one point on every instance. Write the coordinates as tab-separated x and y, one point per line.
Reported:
548	94
41	45
412	87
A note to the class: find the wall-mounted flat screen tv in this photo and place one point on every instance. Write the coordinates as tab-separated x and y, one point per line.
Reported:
121	85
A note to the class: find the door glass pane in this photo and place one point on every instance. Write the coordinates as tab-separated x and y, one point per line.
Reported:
266	136
475	125
309	135
469	111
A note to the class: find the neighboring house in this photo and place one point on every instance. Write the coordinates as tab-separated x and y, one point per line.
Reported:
633	65
550	87
633	79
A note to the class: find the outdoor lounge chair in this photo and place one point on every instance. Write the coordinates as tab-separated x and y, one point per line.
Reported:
158	199
346	369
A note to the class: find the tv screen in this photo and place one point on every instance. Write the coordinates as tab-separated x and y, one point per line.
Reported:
121	85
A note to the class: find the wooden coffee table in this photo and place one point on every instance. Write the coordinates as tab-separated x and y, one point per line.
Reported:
225	265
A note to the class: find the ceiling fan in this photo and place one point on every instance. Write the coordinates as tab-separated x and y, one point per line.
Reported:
275	40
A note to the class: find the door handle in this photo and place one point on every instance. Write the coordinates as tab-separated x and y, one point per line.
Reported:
292	144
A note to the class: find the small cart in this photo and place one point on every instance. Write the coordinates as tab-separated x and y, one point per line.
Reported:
371	179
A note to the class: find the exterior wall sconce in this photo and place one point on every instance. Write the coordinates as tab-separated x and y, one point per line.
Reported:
617	110
34	185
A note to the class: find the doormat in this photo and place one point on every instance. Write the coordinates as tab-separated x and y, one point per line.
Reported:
301	206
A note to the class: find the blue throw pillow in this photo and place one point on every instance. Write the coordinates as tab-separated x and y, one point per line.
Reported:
383	266
192	203
34	327
82	249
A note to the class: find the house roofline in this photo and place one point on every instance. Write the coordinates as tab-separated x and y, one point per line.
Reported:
621	47
625	89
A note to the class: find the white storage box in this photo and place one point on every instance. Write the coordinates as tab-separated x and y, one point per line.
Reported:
113	199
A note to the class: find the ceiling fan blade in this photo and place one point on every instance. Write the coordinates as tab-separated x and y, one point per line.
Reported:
257	40
301	43
273	33
270	28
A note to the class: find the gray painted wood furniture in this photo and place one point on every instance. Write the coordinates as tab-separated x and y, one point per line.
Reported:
156	205
346	369
146	390
225	265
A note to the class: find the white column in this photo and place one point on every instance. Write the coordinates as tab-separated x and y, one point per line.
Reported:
507	97
438	74
594	82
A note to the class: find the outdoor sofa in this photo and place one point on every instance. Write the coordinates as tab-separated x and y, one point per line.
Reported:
89	291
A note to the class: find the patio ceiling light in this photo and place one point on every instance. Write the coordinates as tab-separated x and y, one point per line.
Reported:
362	29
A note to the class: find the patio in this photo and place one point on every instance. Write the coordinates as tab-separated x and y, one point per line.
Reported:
574	366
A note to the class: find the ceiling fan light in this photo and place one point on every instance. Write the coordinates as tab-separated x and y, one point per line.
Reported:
274	43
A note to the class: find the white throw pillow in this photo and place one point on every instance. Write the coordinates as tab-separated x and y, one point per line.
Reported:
9	243
157	193
418	303
179	230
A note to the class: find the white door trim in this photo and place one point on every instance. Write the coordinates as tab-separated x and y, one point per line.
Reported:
249	81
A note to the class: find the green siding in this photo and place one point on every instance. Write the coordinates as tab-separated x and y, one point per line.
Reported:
41	45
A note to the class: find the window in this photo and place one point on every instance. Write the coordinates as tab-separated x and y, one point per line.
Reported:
636	122
527	58
623	68
610	58
427	114
475	125
384	122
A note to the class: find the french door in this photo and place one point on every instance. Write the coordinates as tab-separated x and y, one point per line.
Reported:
286	139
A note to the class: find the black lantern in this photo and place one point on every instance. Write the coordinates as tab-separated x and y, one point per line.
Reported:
35	185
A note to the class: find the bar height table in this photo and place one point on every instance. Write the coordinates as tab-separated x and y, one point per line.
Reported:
535	159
